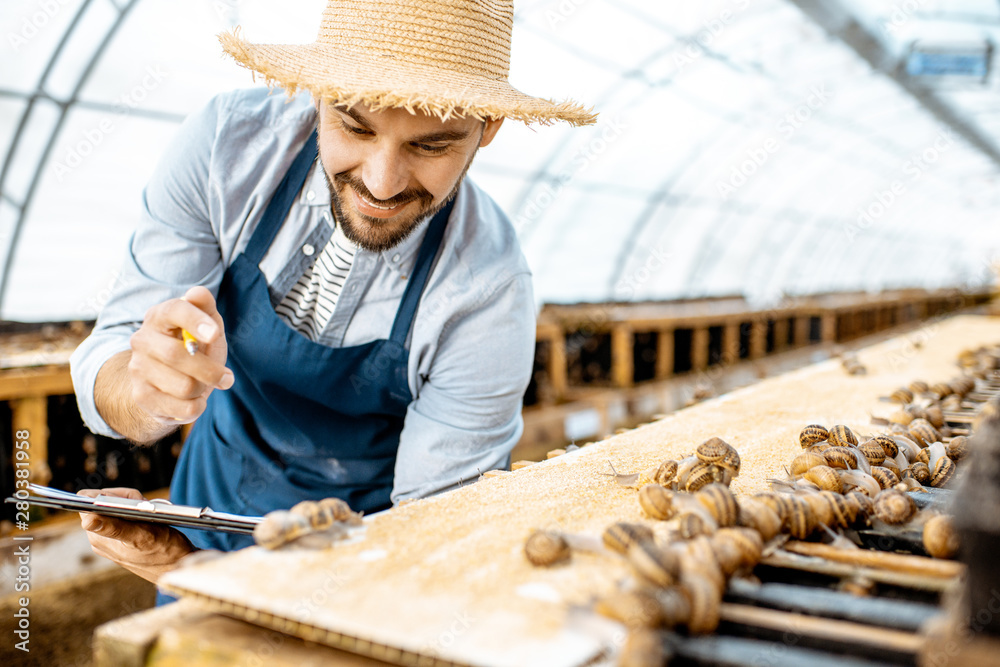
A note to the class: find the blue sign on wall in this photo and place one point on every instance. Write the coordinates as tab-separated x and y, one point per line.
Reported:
941	62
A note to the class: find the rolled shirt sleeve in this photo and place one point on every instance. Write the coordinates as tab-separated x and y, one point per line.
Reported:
467	415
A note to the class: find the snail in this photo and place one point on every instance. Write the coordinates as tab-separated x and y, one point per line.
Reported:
760	517
280	527
737	548
919	387
842	436
721	503
860	480
958	448
702	475
800	521
643	648
841	457
656	564
918	471
866	506
902	395
812	434
940	538
657	502
887	444
908	447
824	477
885	477
620	536
873	452
923	433
662	474
718	452
341	511
804	462
634	609
706	600
545	547
894	507
693	524
901	418
935	416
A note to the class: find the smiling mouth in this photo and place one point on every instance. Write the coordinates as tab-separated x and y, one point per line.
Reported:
381	208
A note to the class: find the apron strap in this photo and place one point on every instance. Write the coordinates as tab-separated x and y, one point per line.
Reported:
281	202
418	278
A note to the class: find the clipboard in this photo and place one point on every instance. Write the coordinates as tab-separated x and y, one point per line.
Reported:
153	511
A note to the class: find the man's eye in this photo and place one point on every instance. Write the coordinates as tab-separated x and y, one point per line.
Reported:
355	130
433	150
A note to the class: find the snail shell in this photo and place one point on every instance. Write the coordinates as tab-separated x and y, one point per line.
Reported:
866	506
545	547
894	507
692	524
841	436
872	451
320	517
759	516
654	563
805	461
341	511
841	457
892	465
935	416
800	522
844	510
919	387
777	502
643	648
721	503
665	473
915	411
942	389
634	609
901	418
657	502
885	477
713	450
923	456
698	558
812	434
280	527
902	395
888	445
958	448
620	536
705	599
923	433
824	477
944	470
920	472
820	509
737	548
702	475
940	538
675	606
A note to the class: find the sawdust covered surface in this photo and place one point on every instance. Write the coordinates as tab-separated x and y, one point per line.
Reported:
456	561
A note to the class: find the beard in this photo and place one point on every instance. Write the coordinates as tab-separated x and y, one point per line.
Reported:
380	234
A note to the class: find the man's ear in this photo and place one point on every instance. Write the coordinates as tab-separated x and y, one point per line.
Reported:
490	131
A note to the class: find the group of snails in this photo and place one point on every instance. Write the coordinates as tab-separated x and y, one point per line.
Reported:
328	517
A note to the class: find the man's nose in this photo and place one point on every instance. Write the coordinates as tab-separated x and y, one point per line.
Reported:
385	174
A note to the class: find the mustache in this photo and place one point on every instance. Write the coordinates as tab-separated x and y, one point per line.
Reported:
404	197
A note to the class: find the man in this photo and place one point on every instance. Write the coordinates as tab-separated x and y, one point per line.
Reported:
363	314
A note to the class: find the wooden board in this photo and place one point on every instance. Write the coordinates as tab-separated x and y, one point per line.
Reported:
445	577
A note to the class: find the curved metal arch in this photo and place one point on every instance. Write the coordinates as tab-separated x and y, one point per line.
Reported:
64	108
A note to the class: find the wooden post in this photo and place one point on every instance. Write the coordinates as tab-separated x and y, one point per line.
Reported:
31	414
557	364
829	327
730	343
780	334
622	359
665	354
758	339
802	330
699	348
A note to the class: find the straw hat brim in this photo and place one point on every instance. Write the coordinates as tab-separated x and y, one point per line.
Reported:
378	82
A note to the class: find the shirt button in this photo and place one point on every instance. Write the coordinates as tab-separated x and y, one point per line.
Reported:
308	250
354	287
310	195
395	257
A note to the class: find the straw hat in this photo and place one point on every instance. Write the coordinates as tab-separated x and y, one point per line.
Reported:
445	57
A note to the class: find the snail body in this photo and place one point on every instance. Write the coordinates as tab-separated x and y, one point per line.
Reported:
279	528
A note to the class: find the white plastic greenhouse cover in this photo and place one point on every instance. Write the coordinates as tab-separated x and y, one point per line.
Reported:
740	150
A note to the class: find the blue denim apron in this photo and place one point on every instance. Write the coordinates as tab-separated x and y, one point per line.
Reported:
303	421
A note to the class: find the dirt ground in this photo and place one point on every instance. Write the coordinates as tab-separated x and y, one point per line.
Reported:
64	616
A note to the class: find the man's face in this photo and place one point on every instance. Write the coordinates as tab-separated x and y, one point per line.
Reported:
388	169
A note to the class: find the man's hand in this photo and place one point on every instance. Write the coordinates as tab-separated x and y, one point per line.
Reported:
147	549
147	392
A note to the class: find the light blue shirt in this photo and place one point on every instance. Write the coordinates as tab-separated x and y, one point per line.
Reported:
471	345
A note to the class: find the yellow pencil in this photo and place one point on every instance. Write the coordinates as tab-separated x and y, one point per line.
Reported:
190	342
